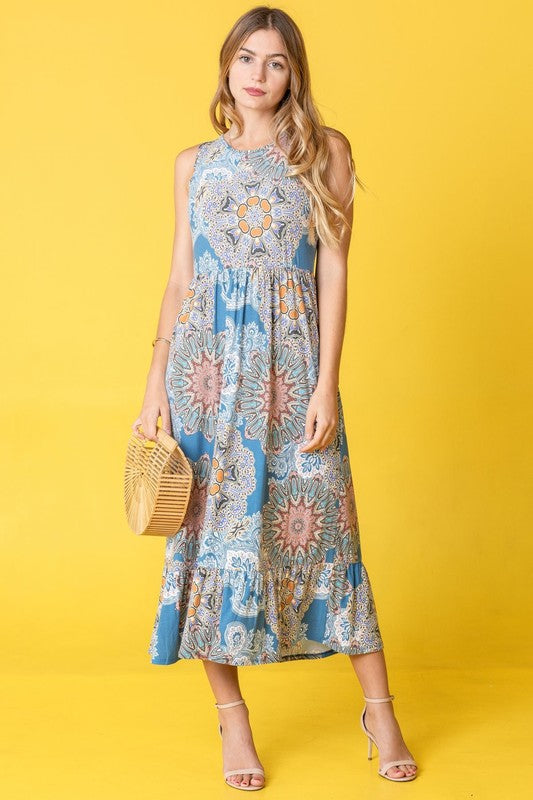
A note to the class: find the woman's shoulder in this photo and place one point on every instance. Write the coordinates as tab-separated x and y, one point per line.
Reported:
186	159
189	154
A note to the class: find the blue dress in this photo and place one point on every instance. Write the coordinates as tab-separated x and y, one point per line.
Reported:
267	565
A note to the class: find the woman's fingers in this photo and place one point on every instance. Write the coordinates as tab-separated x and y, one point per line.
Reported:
309	432
155	405
322	413
314	441
135	428
324	435
148	427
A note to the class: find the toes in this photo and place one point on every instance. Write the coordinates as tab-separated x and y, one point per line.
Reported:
245	779
255	778
398	772
401	771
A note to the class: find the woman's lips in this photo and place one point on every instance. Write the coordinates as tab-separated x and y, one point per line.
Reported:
255	92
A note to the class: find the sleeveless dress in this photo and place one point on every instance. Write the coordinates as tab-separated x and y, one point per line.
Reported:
267	565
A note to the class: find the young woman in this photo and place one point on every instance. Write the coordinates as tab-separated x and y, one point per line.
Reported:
267	565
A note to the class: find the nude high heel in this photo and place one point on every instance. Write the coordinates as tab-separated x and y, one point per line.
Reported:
382	770
248	788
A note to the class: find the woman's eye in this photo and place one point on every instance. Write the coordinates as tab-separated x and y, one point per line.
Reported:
277	63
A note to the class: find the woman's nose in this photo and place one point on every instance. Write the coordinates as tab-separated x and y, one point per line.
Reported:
258	73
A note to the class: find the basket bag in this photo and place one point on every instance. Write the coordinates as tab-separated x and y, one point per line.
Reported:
157	485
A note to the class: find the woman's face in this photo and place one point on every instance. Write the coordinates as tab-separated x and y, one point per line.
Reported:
261	64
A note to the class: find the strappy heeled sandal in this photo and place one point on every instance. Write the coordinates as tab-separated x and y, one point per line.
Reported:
382	770
242	771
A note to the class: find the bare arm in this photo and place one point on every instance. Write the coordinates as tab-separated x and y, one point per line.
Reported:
332	267
331	274
155	401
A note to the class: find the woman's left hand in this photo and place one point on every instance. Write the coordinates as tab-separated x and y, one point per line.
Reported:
322	410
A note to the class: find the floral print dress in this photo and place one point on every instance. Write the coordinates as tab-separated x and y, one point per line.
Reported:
267	564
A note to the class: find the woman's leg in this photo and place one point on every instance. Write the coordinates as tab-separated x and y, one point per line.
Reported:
238	748
371	671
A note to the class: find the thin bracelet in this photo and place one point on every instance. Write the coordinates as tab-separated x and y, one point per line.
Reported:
160	338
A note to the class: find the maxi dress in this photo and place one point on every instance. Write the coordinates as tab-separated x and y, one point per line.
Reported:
267	565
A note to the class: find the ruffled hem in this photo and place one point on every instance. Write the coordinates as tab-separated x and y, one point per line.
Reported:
246	615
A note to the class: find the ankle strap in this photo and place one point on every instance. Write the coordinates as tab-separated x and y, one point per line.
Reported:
379	699
227	705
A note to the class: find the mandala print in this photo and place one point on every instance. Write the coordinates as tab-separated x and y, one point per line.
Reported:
252	220
272	397
301	519
195	380
267	566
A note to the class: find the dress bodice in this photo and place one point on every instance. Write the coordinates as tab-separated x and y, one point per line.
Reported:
245	211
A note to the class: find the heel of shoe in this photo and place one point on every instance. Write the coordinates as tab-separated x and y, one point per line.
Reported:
369	748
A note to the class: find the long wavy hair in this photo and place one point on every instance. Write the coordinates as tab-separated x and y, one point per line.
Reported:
298	126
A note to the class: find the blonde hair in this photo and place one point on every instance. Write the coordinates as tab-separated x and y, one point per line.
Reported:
298	126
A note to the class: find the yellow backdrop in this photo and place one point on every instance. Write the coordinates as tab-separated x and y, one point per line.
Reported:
97	99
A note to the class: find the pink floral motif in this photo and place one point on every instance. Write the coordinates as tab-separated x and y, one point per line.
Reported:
273	397
195	379
300	521
349	540
195	514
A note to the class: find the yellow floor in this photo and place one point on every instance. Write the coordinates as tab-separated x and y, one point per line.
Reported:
152	733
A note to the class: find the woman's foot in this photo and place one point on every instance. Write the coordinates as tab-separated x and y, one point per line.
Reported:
238	747
381	722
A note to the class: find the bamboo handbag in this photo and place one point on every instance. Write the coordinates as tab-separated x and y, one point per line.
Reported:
157	485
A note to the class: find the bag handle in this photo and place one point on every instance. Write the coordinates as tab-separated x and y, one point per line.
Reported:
163	438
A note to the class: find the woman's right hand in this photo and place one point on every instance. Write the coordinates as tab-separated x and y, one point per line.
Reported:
155	404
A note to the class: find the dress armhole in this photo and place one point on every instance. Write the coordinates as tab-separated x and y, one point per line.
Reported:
193	174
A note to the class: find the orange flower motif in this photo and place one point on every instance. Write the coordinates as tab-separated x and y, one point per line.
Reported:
294	310
287	594
183	316
256	227
218	477
196	600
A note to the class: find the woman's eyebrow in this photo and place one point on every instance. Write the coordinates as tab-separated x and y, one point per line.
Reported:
269	55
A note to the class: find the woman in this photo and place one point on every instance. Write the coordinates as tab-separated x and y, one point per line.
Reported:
267	566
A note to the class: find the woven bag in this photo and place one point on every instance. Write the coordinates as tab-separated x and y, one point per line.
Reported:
157	485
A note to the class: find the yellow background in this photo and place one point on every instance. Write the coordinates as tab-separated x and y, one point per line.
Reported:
96	101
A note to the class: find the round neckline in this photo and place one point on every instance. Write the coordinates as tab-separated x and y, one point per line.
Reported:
249	150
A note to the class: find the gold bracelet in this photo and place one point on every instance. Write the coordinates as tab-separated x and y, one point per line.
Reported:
160	338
